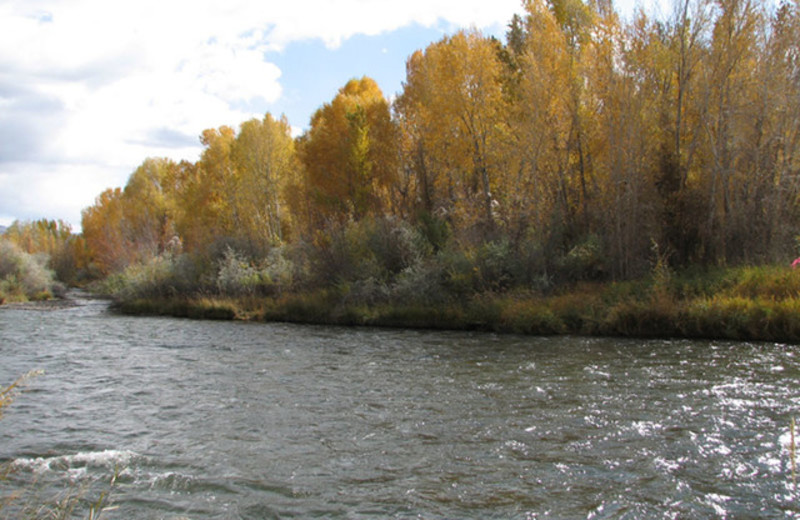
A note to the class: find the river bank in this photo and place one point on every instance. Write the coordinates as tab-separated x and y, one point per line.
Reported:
753	303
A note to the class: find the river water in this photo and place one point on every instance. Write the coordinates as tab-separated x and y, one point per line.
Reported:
240	420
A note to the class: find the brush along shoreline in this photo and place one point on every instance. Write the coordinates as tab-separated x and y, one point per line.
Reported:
753	303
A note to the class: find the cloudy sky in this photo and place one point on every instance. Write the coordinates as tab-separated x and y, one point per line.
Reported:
90	88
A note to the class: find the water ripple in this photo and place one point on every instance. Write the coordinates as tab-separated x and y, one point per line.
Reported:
229	420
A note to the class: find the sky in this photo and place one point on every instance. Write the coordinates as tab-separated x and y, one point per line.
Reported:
90	88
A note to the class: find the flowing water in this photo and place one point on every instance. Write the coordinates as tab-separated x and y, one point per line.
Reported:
239	420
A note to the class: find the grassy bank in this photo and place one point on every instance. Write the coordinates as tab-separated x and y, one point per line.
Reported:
751	303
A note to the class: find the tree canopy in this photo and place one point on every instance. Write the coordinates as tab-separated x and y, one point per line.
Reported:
586	144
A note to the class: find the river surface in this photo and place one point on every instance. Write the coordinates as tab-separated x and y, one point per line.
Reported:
240	420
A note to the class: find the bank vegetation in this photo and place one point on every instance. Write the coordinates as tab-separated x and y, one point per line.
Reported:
589	174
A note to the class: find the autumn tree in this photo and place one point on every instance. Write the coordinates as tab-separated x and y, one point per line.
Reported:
266	165
778	126
149	207
349	154
452	112
236	192
65	251
103	230
207	214
541	126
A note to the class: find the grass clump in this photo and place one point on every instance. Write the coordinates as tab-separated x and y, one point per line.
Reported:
531	315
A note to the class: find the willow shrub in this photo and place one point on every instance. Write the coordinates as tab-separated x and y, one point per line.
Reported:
161	277
25	277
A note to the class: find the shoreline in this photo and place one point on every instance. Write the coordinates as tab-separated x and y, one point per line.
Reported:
41	305
577	313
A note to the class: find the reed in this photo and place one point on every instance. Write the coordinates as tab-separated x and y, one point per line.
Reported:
8	393
792	456
27	503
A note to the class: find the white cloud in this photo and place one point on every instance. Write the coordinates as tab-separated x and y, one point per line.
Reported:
89	88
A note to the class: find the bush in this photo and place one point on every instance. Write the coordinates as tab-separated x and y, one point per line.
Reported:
776	282
164	276
277	270
530	316
235	275
378	249
25	277
584	261
494	266
419	283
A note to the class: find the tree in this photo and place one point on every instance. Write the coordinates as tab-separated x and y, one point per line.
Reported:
149	207
207	214
266	164
541	127
349	153
65	251
453	114
728	93
102	223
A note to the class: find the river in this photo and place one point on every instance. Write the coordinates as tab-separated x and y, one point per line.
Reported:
240	420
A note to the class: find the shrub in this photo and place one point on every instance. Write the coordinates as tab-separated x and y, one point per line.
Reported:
277	270
164	276
379	248
529	265
24	276
658	317
235	275
495	266
584	261
368	291
579	310
420	282
726	317
777	282
459	271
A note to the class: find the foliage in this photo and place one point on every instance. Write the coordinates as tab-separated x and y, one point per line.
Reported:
24	276
642	153
235	275
66	252
349	154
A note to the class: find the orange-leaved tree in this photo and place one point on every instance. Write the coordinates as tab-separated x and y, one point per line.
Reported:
349	154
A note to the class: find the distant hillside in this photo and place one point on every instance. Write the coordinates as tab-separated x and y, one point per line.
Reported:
3	229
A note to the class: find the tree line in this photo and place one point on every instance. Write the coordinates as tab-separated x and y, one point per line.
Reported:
582	147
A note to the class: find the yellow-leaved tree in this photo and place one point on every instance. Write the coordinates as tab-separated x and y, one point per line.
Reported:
103	231
266	164
453	117
349	154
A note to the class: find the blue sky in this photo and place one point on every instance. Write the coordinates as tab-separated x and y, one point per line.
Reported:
90	88
309	81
